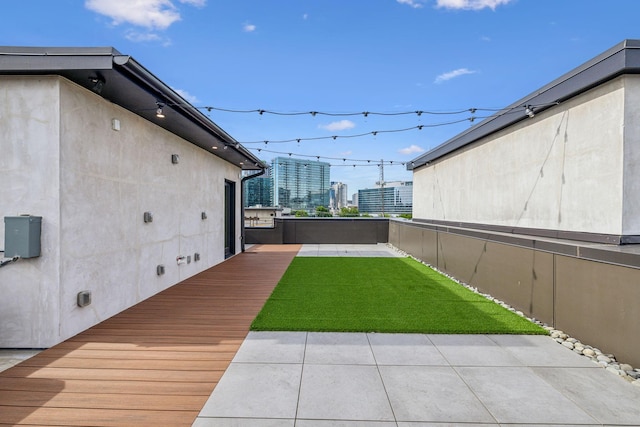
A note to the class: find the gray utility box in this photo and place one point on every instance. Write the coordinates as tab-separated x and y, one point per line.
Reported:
22	236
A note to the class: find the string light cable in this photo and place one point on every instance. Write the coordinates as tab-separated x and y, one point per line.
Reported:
528	110
419	113
524	109
314	113
359	135
352	162
368	162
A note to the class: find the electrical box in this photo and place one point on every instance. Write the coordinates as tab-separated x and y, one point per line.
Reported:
22	236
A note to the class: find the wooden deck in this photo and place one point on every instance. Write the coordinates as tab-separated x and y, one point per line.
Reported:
154	364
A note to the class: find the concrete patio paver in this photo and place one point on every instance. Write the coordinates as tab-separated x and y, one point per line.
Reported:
517	395
473	350
405	349
333	348
335	392
272	347
601	392
352	250
419	380
256	390
336	388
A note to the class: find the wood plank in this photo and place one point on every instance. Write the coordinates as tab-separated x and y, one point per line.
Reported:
153	364
129	363
141	402
63	374
223	326
150	354
141	346
175	388
20	415
156	340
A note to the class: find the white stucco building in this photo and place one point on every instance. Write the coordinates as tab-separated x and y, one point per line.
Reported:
563	161
123	194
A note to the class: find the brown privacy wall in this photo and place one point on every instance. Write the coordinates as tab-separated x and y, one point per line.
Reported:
321	231
591	292
600	302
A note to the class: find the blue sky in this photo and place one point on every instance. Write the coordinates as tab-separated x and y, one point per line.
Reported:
336	57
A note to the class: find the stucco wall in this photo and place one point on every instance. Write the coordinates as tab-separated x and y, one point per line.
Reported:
561	170
30	184
631	190
107	180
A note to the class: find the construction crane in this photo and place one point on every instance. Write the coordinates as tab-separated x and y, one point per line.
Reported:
381	184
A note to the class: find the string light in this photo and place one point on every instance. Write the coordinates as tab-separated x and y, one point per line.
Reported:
159	111
344	160
529	111
359	135
365	114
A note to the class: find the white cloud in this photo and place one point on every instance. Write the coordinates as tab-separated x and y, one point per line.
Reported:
305	16
248	28
186	95
453	74
416	4
138	37
346	153
196	3
470	4
412	149
152	14
341	125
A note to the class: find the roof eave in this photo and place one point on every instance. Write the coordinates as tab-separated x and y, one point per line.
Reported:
125	82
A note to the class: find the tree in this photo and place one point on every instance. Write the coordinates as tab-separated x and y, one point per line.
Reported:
349	211
301	213
322	211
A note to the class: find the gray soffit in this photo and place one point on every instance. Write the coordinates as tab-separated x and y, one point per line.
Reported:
123	81
623	58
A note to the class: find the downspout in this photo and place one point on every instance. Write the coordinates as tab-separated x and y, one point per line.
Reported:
242	181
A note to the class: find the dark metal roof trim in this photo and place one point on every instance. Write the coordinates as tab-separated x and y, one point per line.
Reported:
127	83
609	239
623	58
600	250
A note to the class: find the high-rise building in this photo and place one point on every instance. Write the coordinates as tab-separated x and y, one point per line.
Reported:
258	191
300	184
393	198
338	197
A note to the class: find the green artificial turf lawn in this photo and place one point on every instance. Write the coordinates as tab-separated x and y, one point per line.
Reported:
342	294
